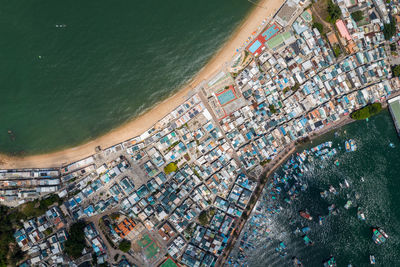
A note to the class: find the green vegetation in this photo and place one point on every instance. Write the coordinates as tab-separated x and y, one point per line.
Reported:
336	50
48	231
171	167
319	27
172	146
76	240
38	207
334	12
206	216
367	111
10	254
272	109
295	87
393	47
124	246
396	70
357	15
389	29
285	90
264	162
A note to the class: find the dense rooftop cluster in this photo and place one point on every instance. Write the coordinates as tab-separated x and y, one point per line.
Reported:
204	158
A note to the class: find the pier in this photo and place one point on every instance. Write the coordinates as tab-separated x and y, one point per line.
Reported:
394	108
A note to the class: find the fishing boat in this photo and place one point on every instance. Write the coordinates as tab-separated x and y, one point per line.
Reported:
321	220
297	262
305	215
379	236
353	146
347	146
392	145
372	259
348	204
306	229
307	240
360	214
324	194
333	190
330	263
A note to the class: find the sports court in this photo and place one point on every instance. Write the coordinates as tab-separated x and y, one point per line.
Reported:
169	263
226	96
149	246
258	44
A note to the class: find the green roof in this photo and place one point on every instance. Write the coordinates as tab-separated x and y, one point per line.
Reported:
306	16
395	110
169	263
278	40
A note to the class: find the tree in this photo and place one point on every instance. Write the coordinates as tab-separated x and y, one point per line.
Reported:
389	29
203	218
396	70
76	240
367	111
318	26
272	109
124	245
171	167
357	15
333	11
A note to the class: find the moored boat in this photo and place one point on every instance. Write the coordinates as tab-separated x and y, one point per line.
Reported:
372	259
330	263
379	236
360	214
305	215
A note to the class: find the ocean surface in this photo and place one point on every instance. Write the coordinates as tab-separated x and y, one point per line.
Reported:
73	70
373	173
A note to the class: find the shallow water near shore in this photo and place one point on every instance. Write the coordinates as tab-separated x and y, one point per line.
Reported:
71	71
344	236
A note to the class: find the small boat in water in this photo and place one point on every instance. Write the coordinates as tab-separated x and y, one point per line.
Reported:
379	236
307	240
330	263
305	215
297	262
360	214
333	190
324	194
348	204
392	145
372	259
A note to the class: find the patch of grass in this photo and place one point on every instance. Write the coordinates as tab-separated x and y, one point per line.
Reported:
336	50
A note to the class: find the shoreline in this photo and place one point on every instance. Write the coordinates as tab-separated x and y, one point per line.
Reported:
145	121
270	168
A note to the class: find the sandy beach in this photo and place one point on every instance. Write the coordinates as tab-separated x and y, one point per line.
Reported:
138	125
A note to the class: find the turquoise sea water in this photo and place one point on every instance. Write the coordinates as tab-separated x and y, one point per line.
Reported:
373	173
106	62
